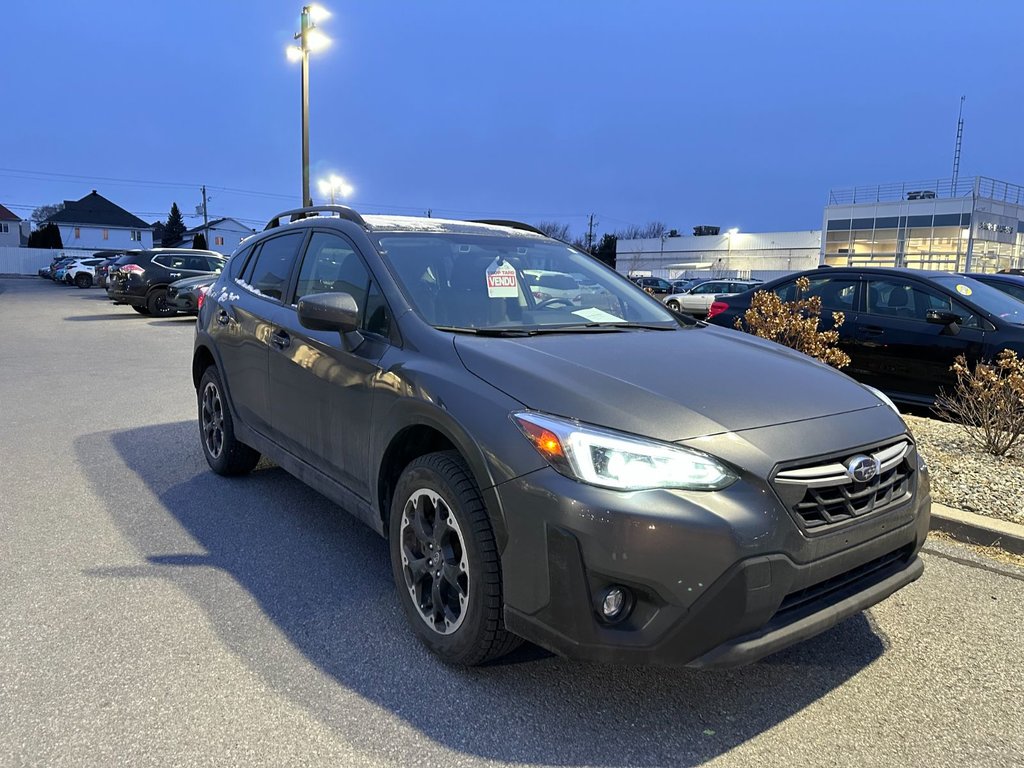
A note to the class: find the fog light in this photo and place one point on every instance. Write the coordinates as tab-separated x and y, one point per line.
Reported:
616	604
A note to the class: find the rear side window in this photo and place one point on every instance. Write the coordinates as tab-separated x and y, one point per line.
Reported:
836	293
270	268
237	262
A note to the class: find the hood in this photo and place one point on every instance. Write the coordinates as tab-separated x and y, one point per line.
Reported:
669	385
195	282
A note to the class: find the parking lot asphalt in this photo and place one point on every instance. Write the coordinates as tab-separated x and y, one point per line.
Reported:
152	613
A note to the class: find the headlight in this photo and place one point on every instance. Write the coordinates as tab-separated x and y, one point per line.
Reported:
623	462
885	399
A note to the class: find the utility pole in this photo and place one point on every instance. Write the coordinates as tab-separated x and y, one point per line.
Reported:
590	235
206	227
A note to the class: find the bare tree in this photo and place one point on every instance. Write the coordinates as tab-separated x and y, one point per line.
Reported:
43	212
555	230
649	230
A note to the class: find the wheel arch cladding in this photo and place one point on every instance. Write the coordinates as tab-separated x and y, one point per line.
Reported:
201	360
404	447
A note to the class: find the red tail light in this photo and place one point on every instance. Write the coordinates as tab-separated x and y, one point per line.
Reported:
135	268
717	308
200	299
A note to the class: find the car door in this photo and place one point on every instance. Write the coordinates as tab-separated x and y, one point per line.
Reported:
698	300
899	351
244	320
321	383
837	293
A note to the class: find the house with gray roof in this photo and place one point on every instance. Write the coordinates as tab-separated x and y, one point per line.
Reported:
95	222
222	235
12	228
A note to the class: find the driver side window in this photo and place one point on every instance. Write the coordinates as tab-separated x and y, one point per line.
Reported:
331	265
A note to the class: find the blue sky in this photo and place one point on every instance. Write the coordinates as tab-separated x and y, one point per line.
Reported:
732	113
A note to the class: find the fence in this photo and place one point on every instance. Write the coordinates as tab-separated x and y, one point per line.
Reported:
28	261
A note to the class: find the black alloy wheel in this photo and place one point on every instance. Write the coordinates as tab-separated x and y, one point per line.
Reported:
445	562
225	454
157	304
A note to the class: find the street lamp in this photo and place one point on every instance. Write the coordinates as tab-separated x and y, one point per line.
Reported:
335	185
310	39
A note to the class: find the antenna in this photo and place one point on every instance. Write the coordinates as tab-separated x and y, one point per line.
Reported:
959	142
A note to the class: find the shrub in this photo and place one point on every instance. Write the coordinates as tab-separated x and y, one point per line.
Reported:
795	324
987	402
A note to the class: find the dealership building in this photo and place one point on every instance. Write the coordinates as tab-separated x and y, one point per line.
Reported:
969	225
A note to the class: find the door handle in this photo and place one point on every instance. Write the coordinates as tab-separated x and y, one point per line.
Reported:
872	330
280	339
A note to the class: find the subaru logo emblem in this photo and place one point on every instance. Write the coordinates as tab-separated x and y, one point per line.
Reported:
863	469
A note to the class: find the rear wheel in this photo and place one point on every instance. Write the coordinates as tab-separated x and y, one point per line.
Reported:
445	562
157	304
225	454
673	305
140	310
83	280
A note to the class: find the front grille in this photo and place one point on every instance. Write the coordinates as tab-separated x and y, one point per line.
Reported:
827	493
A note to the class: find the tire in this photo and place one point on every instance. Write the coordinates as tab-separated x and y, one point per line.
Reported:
83	280
225	454
157	304
673	305
467	627
140	310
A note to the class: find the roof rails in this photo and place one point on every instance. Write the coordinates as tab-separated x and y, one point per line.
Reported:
509	223
343	211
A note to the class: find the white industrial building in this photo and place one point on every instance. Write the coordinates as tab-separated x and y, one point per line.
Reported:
760	255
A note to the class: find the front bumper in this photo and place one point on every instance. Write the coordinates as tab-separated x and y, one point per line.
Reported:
718	581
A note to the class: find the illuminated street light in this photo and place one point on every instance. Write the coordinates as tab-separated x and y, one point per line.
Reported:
335	186
310	39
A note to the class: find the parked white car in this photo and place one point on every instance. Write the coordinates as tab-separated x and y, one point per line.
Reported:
82	272
546	285
698	299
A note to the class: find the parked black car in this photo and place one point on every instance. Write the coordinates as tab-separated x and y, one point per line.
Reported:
140	278
656	286
1011	283
903	328
184	295
103	268
551	471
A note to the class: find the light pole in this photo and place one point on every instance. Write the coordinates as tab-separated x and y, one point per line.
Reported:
335	185
310	39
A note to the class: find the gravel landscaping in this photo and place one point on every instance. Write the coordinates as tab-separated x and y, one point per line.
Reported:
964	476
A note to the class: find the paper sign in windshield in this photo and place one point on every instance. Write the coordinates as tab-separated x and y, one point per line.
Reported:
501	281
595	315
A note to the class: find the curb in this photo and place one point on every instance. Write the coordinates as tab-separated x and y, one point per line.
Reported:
978	529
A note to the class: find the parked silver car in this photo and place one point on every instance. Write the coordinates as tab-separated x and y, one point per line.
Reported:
698	299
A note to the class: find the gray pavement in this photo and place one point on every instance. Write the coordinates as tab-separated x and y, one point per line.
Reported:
152	613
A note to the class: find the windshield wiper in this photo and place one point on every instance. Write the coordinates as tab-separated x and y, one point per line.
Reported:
549	329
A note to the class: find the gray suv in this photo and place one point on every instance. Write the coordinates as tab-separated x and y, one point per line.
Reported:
554	470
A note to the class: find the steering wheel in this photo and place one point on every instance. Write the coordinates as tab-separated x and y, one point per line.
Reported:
556	300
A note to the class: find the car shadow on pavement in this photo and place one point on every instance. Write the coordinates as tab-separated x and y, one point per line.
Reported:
297	589
108	316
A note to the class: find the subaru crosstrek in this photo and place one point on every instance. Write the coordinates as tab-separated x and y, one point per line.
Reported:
557	470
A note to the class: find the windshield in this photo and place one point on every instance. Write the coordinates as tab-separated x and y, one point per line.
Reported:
478	283
990	299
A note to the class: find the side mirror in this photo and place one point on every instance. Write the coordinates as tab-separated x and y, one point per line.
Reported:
329	312
949	319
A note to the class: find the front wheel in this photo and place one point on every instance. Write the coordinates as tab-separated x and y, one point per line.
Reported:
225	454
83	280
445	561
